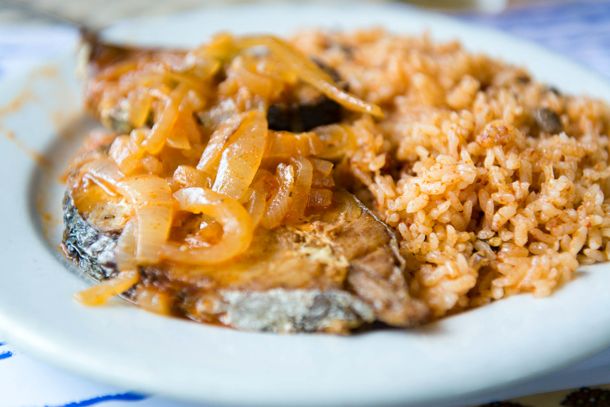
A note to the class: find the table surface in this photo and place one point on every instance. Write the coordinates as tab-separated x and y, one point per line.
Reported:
577	29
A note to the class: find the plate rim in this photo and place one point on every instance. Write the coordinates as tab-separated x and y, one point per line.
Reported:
22	339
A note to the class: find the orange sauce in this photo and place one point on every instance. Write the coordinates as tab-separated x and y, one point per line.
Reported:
25	96
47	71
17	103
28	95
34	155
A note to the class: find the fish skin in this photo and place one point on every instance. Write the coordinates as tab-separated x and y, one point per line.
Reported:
91	249
291	311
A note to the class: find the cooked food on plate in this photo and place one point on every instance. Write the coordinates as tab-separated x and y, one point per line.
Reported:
332	180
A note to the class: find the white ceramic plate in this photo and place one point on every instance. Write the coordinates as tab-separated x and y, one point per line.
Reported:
468	354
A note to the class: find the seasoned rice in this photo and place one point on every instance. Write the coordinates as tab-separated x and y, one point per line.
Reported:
495	183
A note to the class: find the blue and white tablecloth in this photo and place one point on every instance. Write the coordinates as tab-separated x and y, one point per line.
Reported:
578	29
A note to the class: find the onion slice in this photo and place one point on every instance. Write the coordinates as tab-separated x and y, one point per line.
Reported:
236	225
279	204
126	152
186	176
324	167
101	293
302	186
224	47
309	72
283	144
125	251
213	150
128	271
263	184
337	140
140	105
161	129
242	156
184	131
151	198
104	172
